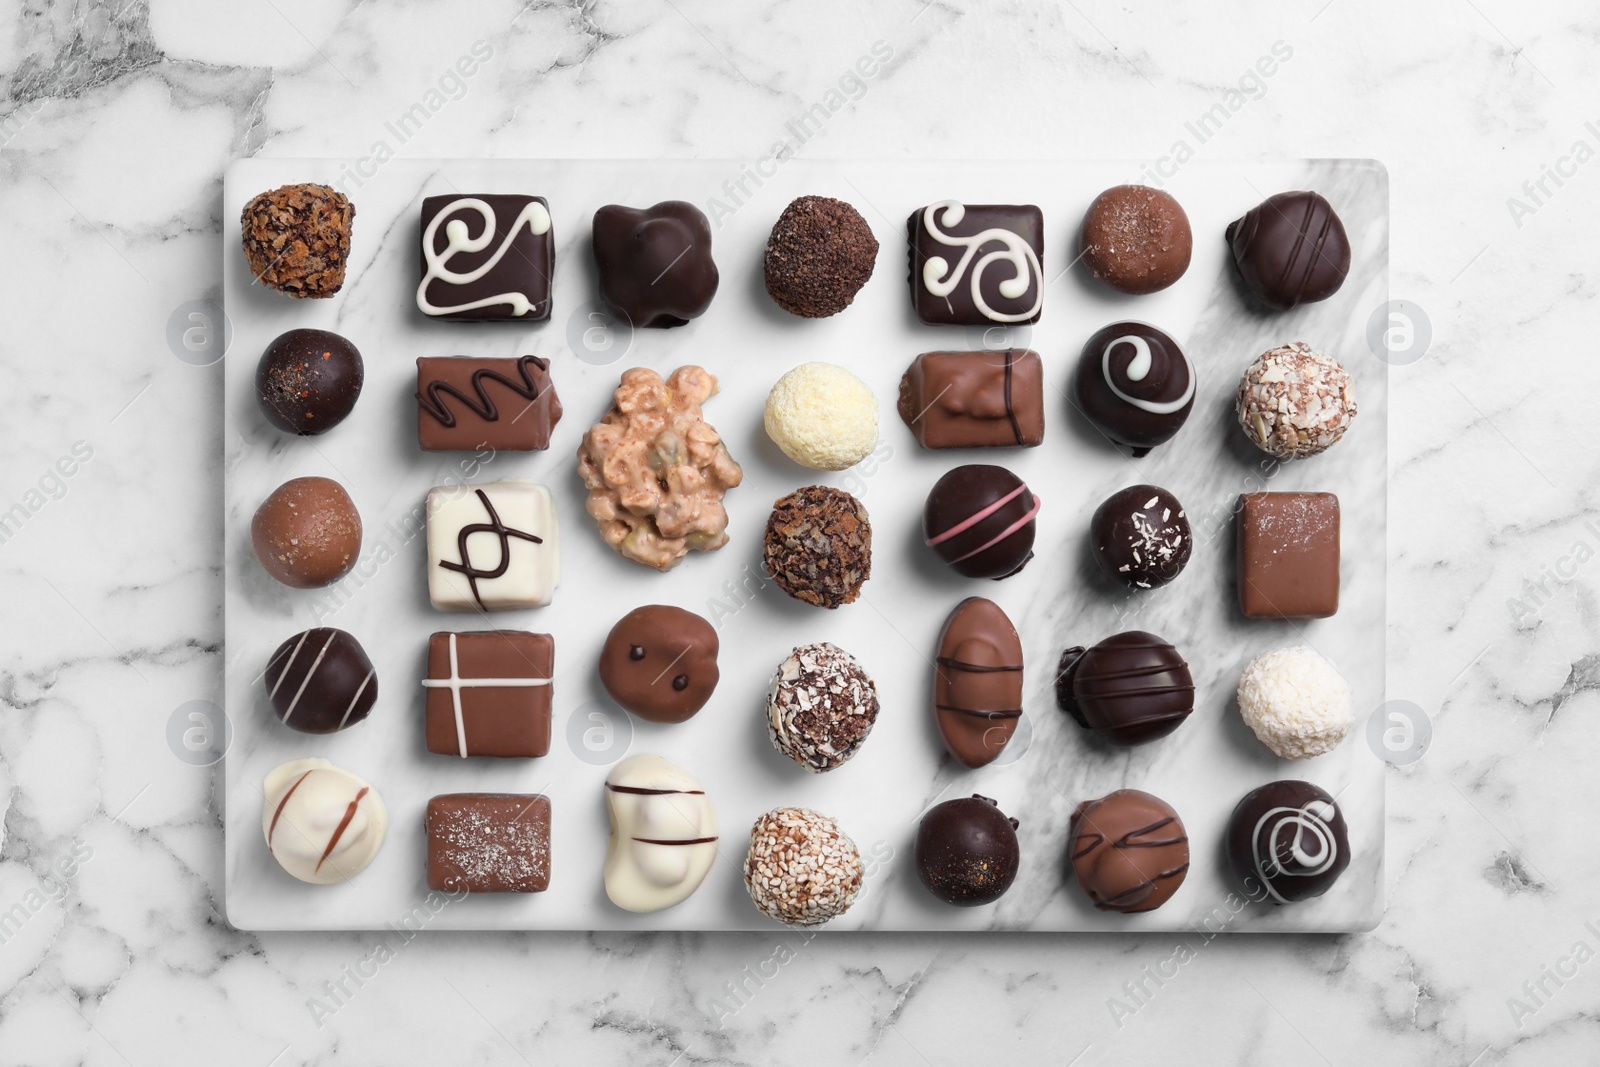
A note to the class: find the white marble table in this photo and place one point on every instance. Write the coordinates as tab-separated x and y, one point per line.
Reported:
115	125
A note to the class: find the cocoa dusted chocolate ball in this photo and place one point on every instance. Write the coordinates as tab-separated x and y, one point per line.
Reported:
818	546
307	534
1136	239
820	254
308	381
967	851
297	239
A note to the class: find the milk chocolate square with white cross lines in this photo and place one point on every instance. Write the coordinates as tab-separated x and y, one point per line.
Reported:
488	693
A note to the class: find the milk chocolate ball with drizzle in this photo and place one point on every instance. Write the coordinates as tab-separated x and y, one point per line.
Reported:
1135	384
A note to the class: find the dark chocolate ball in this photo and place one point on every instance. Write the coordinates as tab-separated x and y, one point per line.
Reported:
1291	249
980	519
321	681
1129	689
1287	841
821	252
308	381
1136	239
1136	384
655	263
818	546
1141	536
967	851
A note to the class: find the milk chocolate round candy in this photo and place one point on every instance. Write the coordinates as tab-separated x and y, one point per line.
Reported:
307	533
1136	239
980	519
1288	842
308	381
655	263
1129	689
321	681
660	663
1141	536
1135	384
1129	851
1291	250
977	682
967	851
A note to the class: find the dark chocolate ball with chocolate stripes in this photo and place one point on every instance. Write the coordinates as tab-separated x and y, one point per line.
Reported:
1287	842
1135	384
1129	689
308	381
980	519
1141	536
321	681
967	851
660	663
1291	249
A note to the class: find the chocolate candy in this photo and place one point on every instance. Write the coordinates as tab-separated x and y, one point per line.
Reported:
976	264
297	239
660	663
1295	402
1295	702
1141	536
308	381
1129	689
321	681
820	707
967	851
492	547
307	534
1290	250
1129	851
663	834
488	843
1288	555
655	263
472	405
818	546
488	693
1135	384
819	255
1287	842
977	682
322	824
802	869
975	399
1136	239
486	257
980	519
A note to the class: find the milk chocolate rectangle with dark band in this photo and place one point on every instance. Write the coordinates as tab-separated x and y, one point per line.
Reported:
488	693
466	404
1288	555
488	843
975	399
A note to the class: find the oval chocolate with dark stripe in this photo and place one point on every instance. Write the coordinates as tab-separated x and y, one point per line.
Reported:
977	682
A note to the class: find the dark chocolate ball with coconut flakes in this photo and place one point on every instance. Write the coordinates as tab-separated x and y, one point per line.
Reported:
1141	536
821	707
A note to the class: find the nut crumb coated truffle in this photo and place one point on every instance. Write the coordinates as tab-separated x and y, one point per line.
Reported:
818	546
820	254
822	417
297	239
821	707
801	868
1295	402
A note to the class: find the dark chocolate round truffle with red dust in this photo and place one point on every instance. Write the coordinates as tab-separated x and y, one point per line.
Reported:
967	851
308	381
821	252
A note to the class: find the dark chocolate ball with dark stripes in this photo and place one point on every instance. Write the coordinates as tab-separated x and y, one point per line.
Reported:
980	519
1128	689
321	681
1291	249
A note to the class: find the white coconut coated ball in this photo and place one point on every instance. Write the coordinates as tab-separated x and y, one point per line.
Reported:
822	417
1296	703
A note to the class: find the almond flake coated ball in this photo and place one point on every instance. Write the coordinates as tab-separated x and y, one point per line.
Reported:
822	417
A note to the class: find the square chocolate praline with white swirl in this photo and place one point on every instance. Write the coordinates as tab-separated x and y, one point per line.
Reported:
977	264
486	257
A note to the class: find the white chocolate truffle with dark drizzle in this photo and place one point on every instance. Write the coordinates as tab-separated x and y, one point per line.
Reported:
322	823
663	834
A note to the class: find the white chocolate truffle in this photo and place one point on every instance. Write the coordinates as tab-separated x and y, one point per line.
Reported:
822	417
1296	702
511	556
322	824
663	834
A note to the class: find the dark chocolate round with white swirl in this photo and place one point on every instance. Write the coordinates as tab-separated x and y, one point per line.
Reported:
1129	689
980	519
1136	384
1141	536
1291	250
321	681
1287	842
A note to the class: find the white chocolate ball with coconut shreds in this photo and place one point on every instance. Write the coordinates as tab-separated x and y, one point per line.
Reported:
822	417
322	824
1296	702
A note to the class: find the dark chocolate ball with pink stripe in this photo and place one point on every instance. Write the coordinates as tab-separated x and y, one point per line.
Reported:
980	519
321	681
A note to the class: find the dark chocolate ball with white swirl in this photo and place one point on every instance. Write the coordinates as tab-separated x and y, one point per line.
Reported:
1287	842
980	519
1141	536
1135	384
321	681
1129	689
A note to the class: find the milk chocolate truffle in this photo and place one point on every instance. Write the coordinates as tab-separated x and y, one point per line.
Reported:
655	263
308	381
980	520
1129	851
307	534
297	239
1129	689
322	824
820	254
801	868
1290	250
967	851
321	681
977	682
821	707
1287	842
660	663
818	546
1135	384
1141	536
1136	239
1295	402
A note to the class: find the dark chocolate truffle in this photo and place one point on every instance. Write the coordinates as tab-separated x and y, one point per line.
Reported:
308	381
307	533
486	257
321	681
1135	384
980	519
977	682
976	264
660	663
1291	250
818	546
655	263
1136	239
1129	689
1287	842
821	707
1129	851
820	254
297	239
1141	536
967	851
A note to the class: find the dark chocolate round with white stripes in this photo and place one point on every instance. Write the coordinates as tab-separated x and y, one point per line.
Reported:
321	681
1287	841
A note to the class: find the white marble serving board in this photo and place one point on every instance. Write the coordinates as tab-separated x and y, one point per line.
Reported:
748	342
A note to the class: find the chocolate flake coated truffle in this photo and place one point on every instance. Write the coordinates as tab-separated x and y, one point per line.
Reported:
821	707
308	381
820	254
980	520
321	681
1129	689
297	239
801	868
967	851
1287	842
1136	239
1141	536
1295	402
307	534
655	263
818	546
1291	249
